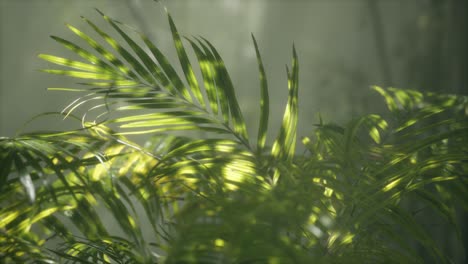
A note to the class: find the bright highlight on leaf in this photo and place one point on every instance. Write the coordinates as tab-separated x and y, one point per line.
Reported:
219	242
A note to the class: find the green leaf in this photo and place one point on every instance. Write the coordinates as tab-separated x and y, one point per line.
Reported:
85	75
151	66
285	145
219	93
168	70
185	63
172	128
264	102
6	162
25	178
71	63
136	65
391	104
417	231
225	84
84	54
206	67
106	54
444	210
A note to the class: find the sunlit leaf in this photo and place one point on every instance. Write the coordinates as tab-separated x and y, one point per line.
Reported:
264	102
185	63
285	144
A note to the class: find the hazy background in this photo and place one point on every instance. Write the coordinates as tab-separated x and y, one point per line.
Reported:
344	46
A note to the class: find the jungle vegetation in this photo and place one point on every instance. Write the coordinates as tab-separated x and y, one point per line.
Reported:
195	187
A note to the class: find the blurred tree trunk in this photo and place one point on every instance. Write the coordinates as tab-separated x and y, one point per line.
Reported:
458	38
443	63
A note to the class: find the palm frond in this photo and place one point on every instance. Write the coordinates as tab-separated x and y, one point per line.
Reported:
161	85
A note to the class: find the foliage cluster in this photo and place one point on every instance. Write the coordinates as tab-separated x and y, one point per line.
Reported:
356	194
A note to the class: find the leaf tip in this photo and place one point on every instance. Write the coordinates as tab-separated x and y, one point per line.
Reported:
254	40
294	50
99	11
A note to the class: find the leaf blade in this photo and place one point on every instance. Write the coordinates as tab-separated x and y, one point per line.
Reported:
264	101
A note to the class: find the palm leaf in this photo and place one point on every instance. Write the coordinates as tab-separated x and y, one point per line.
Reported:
219	89
185	63
284	146
264	102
